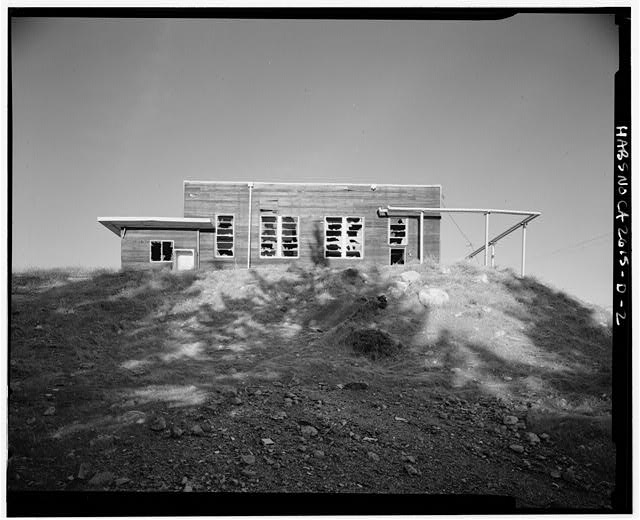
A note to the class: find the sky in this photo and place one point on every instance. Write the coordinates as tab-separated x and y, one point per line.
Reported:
111	115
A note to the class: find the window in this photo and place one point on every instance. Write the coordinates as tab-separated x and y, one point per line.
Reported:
161	250
278	236
397	231
224	236
344	237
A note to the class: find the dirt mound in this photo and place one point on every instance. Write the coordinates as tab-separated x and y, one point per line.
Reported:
373	343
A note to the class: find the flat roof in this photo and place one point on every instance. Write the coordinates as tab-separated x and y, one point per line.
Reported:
187	181
116	224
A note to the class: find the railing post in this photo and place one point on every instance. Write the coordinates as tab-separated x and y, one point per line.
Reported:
493	255
197	249
486	238
524	248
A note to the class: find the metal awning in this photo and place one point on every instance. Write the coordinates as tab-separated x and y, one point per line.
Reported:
117	224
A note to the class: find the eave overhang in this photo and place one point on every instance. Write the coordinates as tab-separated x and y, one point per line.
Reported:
117	224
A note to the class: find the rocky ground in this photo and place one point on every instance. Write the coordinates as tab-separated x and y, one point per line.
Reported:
150	401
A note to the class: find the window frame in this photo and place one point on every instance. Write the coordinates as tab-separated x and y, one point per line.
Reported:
279	236
161	261
405	240
343	238
233	236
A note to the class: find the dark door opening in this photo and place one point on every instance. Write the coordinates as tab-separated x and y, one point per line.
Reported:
397	256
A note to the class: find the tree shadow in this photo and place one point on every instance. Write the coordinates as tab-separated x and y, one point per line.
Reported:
118	343
316	246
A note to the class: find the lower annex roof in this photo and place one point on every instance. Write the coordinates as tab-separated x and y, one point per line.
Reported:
116	224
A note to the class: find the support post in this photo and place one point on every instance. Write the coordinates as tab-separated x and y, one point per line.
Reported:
493	255
422	237
524	246
486	239
198	249
249	227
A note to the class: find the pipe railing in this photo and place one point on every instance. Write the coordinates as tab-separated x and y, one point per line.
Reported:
530	215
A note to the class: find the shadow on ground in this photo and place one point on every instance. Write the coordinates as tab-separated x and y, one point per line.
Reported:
107	349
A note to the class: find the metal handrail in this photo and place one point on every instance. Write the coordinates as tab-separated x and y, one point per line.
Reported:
495	239
523	224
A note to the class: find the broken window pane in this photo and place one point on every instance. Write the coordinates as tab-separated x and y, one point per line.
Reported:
278	236
397	231
224	235
344	237
161	250
155	251
167	251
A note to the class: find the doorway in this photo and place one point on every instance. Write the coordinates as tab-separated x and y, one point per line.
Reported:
396	256
184	259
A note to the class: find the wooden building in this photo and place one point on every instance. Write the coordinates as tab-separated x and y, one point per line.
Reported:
252	224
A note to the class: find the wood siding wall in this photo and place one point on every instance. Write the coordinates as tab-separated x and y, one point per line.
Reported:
311	203
135	246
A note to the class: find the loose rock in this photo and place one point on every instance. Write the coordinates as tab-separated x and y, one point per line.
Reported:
308	431
373	456
412	470
356	385
433	297
267	442
104	478
569	475
85	471
197	430
133	416
158	424
532	438
318	454
517	448
509	420
410	276
248	459
50	411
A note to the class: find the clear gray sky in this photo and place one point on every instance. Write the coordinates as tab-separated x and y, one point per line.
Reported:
110	116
